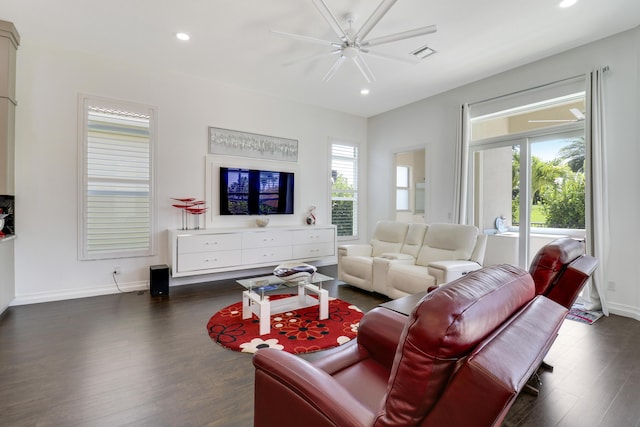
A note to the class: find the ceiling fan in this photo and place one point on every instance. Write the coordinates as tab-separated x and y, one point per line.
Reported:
353	45
579	116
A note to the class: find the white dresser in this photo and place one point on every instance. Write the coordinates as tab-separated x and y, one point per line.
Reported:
217	250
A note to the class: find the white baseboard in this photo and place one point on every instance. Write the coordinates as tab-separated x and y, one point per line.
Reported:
66	294
624	310
60	295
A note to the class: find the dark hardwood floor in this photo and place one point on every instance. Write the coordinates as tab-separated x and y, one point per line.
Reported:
130	359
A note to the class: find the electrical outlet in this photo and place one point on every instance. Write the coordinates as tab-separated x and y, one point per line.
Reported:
611	286
116	270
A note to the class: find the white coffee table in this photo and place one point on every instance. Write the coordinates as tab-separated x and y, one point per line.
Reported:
260	304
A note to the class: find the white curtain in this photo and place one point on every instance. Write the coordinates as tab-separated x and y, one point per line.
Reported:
598	222
461	167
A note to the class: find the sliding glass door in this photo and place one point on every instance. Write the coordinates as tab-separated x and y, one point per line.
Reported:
528	190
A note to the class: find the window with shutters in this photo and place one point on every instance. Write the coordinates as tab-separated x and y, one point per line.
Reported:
116	186
344	190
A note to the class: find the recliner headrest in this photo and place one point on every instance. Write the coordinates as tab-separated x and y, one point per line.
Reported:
459	315
551	259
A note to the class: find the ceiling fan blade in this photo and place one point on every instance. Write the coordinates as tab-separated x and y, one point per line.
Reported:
333	68
400	36
364	68
579	114
408	59
373	20
551	121
310	57
331	19
305	38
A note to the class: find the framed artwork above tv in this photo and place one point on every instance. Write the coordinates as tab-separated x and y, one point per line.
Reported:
235	143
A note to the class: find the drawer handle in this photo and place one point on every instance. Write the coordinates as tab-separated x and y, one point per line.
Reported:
211	243
211	260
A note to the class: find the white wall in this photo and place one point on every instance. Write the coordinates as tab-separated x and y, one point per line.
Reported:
433	123
49	80
7	272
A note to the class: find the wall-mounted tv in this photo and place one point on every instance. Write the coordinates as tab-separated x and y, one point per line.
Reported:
255	192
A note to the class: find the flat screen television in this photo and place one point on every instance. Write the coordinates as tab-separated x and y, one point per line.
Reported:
255	192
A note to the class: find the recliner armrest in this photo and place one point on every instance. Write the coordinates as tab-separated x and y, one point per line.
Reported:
381	266
395	256
447	271
355	250
378	336
290	390
568	286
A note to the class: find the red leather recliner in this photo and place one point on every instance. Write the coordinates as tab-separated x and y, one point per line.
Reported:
560	270
459	359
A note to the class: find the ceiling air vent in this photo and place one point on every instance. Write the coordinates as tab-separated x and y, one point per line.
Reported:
423	52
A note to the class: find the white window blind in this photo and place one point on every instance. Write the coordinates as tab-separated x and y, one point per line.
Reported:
117	202
344	192
402	188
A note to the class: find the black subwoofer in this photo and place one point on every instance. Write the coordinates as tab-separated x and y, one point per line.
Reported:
159	280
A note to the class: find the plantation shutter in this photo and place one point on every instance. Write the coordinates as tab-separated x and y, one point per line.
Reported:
117	213
344	192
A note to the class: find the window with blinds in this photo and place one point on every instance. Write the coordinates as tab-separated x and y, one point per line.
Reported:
402	188
117	182
344	191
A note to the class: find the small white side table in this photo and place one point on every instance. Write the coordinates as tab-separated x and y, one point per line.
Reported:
261	306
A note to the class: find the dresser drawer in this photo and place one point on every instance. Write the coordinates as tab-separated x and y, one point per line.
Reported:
267	255
208	243
313	235
313	250
265	239
209	260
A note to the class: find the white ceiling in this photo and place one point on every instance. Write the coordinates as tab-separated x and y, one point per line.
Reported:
231	41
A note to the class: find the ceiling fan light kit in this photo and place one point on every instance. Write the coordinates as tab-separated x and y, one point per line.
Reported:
354	46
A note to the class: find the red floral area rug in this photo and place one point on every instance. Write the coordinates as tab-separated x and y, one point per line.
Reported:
297	331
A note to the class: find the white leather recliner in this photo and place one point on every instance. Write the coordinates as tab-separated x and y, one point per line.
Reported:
407	255
449	251
355	262
404	258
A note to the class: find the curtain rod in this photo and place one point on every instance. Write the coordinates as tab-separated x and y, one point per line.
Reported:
605	68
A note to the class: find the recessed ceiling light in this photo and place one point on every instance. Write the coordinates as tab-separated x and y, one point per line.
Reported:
183	36
567	3
364	92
